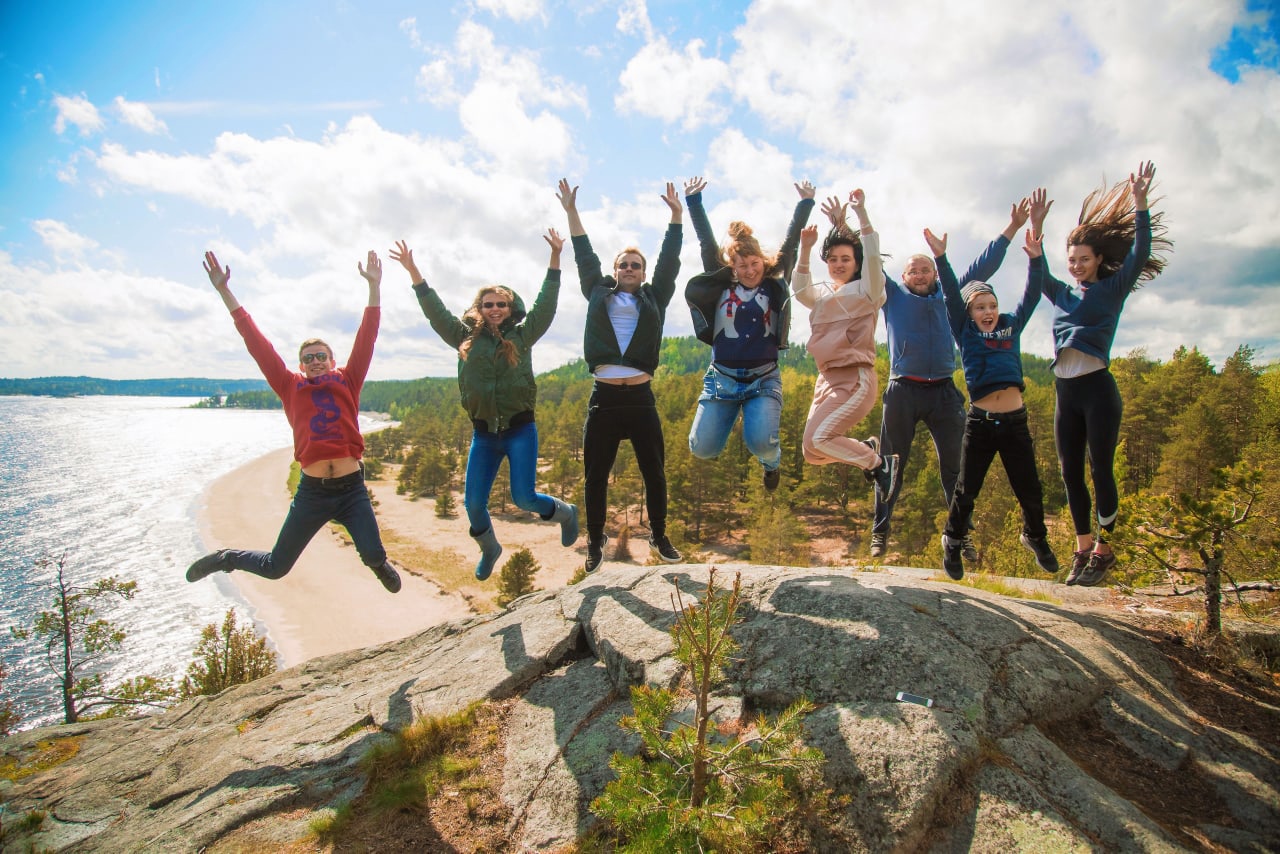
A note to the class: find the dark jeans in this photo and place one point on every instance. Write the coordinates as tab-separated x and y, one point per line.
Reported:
906	403
985	435
319	500
614	413
1087	419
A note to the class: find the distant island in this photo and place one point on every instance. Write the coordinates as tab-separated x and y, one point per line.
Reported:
78	386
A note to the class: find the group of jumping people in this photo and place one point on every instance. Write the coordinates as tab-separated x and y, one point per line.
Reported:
741	306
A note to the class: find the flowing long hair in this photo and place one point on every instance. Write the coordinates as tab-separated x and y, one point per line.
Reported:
1107	225
473	317
742	241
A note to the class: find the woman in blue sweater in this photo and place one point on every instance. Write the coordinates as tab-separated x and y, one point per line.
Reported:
1109	254
991	353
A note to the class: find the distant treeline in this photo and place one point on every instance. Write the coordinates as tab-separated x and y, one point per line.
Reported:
76	386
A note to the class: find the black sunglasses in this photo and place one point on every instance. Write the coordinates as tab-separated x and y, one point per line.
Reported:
630	265
493	305
308	358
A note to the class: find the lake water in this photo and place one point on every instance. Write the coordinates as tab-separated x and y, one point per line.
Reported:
114	483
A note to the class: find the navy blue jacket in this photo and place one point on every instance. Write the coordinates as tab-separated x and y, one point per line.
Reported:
992	360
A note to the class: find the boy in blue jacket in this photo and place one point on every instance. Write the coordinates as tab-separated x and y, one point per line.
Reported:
991	354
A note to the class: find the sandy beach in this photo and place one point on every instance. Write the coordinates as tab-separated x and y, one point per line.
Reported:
330	602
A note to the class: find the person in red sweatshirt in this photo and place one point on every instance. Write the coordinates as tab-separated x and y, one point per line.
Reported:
321	402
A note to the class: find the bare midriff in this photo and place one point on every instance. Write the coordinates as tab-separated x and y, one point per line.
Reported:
332	468
638	379
1004	400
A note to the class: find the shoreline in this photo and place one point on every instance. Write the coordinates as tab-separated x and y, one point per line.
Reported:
329	602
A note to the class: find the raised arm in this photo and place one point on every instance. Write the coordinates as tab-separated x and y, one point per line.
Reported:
1035	279
538	320
835	211
220	278
568	197
667	267
452	330
707	245
872	265
362	350
950	287
802	284
1140	185
590	275
787	254
373	275
273	368
1140	251
556	242
1039	210
1018	214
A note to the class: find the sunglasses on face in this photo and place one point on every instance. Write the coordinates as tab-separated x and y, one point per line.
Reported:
630	265
308	358
493	305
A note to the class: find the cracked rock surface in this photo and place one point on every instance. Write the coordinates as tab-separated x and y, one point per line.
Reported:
977	771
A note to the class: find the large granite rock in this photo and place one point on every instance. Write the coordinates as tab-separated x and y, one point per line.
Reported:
977	771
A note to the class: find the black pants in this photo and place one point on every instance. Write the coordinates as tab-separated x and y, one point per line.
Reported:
940	406
985	435
318	501
614	413
1086	420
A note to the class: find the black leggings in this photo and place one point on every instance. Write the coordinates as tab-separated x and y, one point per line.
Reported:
614	413
1086	420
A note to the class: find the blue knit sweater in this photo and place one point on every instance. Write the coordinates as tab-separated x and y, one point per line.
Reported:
992	360
920	343
1086	319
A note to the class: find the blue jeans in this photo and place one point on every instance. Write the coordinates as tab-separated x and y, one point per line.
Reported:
725	393
520	446
318	501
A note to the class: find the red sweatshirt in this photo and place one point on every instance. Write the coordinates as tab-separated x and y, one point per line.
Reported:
322	411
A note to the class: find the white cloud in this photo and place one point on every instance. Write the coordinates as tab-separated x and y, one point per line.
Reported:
633	19
685	88
76	110
62	241
138	115
516	10
409	26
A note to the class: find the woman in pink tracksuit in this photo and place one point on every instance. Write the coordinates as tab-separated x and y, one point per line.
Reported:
842	323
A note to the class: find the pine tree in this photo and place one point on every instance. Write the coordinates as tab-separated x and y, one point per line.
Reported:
516	578
77	643
446	507
228	656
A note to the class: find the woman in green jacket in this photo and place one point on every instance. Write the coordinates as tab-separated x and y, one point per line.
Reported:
494	339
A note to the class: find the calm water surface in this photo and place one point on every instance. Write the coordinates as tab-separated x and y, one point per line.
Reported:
115	484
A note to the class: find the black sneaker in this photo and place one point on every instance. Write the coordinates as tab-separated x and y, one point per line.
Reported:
667	553
771	478
388	576
969	548
874	442
208	565
595	554
886	477
1039	546
878	544
951	561
1079	560
1098	567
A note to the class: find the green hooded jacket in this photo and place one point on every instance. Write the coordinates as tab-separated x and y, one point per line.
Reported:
492	390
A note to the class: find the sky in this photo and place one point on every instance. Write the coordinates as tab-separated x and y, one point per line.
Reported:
290	137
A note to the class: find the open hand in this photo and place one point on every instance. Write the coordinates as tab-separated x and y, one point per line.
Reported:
372	271
218	277
937	245
806	190
568	197
695	185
